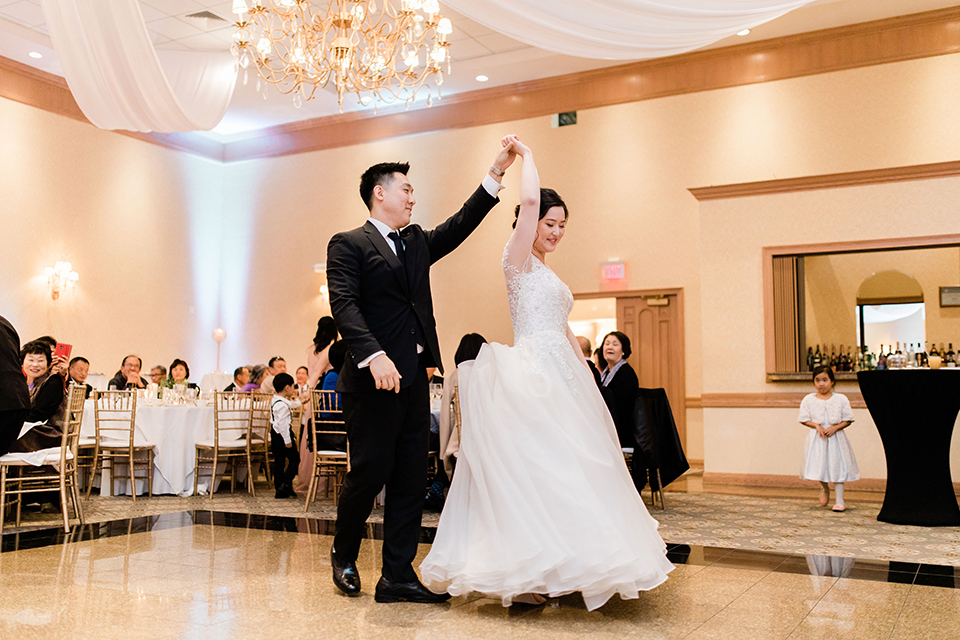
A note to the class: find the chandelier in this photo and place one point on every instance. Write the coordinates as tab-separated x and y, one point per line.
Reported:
356	47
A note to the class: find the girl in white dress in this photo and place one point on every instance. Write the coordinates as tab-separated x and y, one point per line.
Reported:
541	503
828	456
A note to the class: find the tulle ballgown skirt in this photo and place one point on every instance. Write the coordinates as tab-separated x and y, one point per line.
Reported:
541	500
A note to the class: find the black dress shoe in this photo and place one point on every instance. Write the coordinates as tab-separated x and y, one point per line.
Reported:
345	575
388	591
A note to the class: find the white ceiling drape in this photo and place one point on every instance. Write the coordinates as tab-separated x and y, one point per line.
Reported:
118	79
622	29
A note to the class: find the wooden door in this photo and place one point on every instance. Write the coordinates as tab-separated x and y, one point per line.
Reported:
654	324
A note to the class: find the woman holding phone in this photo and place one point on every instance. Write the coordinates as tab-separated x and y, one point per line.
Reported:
48	399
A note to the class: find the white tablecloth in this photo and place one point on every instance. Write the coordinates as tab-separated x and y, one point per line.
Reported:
175	430
216	381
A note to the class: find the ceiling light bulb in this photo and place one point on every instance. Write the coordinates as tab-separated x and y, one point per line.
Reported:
240	6
482	78
444	26
745	32
34	54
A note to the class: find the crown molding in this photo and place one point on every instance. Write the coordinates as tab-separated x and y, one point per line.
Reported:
884	41
829	181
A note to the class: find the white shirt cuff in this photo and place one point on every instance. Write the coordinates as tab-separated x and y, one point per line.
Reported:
366	361
492	186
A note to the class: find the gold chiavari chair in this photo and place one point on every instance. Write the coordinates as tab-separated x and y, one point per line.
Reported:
327	424
232	414
260	433
115	413
58	470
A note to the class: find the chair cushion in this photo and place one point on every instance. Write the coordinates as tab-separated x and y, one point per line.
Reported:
34	458
332	454
106	443
86	441
231	444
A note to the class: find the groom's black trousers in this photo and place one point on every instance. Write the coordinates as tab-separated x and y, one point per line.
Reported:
388	434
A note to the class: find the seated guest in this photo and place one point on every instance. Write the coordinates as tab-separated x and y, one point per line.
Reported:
157	374
48	399
302	377
587	352
180	374
78	370
128	377
274	366
257	373
14	394
241	376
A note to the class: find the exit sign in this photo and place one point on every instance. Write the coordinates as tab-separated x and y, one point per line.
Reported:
613	271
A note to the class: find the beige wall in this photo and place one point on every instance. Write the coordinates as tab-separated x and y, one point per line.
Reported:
733	298
115	204
121	212
832	282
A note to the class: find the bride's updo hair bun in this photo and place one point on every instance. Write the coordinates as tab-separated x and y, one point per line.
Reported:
548	200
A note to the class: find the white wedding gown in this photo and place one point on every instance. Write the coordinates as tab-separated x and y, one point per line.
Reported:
541	500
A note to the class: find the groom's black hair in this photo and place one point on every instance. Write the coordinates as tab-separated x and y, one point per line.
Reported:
379	174
548	200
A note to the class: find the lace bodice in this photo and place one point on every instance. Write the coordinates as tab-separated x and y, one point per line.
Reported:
540	303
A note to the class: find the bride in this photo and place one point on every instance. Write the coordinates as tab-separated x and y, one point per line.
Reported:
541	502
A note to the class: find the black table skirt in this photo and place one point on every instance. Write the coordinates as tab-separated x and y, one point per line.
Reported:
915	411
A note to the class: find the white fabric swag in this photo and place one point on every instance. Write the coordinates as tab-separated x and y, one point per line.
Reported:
116	75
622	29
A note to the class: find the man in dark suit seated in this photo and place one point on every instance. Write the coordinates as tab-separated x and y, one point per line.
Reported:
78	370
129	375
241	376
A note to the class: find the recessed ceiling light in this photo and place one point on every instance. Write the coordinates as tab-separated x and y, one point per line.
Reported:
34	54
745	32
482	78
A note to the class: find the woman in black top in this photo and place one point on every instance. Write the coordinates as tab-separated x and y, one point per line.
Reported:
618	385
48	399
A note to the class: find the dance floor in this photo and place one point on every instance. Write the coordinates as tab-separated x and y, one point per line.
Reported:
241	567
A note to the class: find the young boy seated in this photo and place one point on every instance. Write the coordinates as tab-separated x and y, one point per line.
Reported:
286	458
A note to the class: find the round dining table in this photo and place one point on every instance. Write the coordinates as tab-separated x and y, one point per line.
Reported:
175	430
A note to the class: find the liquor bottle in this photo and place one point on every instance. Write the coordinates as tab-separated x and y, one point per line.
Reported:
933	349
847	361
923	356
951	354
817	358
809	358
882	359
910	354
833	357
943	352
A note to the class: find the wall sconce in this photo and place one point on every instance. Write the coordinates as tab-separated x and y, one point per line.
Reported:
59	277
321	267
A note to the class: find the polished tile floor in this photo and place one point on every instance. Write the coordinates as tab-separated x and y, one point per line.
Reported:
198	573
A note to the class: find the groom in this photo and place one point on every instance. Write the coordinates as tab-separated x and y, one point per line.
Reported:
379	281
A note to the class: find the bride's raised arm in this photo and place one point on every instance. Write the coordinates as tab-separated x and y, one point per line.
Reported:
521	241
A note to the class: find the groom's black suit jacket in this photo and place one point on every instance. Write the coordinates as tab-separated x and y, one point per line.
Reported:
378	306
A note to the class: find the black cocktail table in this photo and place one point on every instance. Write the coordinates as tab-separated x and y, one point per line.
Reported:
915	410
